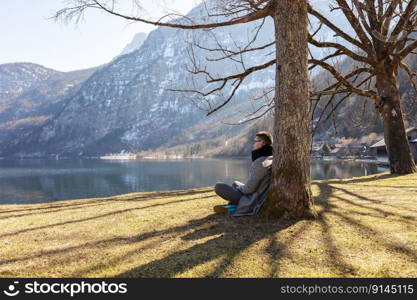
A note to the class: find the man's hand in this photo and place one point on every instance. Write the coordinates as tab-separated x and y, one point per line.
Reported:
237	184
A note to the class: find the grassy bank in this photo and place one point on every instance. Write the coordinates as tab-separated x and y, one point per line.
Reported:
366	228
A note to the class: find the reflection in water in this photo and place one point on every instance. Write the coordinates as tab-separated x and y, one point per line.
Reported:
343	169
37	181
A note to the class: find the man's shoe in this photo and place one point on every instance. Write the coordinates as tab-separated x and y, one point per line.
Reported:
231	209
220	209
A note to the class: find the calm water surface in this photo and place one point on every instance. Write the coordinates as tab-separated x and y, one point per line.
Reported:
38	181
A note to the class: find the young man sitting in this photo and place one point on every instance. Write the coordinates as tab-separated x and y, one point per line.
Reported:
248	198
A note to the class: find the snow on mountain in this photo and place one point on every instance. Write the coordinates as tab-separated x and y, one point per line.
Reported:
128	104
135	44
30	96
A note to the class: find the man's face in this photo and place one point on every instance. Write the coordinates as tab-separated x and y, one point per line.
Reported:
257	143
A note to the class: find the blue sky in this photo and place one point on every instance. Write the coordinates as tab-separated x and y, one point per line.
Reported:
28	36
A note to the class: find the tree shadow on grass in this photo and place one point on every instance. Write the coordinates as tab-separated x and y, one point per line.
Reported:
113	213
361	180
219	241
377	209
230	235
226	238
106	200
370	200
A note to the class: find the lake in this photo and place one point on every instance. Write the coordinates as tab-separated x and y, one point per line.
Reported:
41	180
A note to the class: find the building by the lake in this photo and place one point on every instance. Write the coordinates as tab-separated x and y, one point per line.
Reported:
380	149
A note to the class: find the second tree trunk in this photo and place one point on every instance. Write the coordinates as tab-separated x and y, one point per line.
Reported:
400	158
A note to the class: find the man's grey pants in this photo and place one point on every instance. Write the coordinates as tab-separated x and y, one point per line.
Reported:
228	192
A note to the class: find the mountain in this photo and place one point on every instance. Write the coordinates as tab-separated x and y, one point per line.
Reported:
135	44
128	104
32	95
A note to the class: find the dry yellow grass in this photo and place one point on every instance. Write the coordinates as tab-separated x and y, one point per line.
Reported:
366	228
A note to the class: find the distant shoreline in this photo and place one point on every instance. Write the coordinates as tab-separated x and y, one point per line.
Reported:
148	158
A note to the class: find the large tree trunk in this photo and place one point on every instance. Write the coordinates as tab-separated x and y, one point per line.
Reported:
290	189
400	158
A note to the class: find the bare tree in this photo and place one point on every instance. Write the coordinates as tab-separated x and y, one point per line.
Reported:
384	35
290	191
